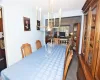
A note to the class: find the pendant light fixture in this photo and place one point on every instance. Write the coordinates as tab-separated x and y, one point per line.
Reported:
50	24
51	17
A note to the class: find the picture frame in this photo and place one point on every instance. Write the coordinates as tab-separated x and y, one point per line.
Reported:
38	25
26	24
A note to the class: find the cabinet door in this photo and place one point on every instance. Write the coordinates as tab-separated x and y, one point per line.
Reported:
88	35
96	40
97	73
80	73
91	37
78	37
97	57
83	37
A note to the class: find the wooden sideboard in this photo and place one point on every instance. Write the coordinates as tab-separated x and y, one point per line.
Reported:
83	72
89	60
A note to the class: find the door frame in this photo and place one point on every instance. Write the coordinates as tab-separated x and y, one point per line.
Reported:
4	32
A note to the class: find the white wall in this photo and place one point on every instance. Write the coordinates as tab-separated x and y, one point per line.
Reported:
67	14
81	34
14	32
0	34
70	14
0	13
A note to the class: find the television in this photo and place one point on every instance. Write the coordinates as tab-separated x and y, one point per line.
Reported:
55	34
61	34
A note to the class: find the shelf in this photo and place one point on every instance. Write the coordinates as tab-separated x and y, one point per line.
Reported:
56	27
93	27
89	61
91	45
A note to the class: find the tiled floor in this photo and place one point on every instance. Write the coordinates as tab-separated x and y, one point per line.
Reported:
0	77
72	69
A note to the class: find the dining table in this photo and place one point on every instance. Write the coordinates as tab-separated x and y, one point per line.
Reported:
40	65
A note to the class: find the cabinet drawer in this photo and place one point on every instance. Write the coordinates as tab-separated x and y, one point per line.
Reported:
80	73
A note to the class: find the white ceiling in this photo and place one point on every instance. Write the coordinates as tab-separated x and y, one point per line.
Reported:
66	5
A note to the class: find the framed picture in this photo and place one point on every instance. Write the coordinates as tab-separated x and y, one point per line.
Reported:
38	25
26	24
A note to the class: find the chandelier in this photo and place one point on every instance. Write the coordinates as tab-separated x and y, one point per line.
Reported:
51	23
51	17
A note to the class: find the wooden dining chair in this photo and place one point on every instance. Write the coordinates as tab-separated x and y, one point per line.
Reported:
67	49
56	40
38	44
26	50
67	63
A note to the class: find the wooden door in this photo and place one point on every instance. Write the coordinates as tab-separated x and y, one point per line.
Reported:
1	25
85	32
2	59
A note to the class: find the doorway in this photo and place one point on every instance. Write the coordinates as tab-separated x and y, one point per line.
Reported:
2	45
68	32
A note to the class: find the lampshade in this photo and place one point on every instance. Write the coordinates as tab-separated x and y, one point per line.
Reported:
48	28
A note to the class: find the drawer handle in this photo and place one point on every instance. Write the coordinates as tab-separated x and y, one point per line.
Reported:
1	59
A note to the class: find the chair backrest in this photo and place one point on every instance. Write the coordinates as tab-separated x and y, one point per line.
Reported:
26	50
67	62
56	40
67	49
38	44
